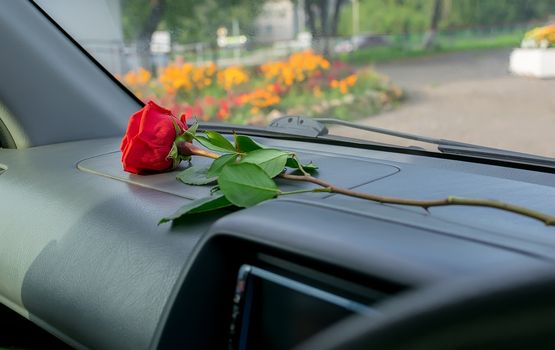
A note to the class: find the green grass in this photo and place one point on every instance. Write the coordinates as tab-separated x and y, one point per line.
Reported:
381	54
489	42
444	44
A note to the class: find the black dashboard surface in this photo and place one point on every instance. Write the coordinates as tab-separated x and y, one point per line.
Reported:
89	263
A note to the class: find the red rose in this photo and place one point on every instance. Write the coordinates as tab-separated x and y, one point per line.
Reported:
149	138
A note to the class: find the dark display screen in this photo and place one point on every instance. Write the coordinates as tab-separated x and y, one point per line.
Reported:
276	312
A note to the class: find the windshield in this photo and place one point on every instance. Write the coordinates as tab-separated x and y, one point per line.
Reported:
474	71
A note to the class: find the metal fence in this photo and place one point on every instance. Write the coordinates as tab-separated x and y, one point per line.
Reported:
123	58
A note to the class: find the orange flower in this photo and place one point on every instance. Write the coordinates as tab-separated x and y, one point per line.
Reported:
174	77
540	34
351	80
317	91
232	76
297	68
261	97
186	77
137	78
344	84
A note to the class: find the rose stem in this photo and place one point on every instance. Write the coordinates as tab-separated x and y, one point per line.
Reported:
327	187
188	149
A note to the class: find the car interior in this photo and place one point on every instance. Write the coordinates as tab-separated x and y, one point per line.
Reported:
84	263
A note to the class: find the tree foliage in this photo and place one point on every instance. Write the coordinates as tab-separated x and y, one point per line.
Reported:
414	16
323	19
191	21
188	20
495	12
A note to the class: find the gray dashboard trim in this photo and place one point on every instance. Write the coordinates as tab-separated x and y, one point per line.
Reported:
438	225
351	230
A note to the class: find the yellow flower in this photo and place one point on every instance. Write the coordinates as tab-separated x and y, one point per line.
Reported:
343	88
255	110
174	77
344	84
317	91
351	80
540	34
232	76
186	77
143	76
297	68
137	78
261	97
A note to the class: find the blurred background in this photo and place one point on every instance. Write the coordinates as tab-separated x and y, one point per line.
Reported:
455	69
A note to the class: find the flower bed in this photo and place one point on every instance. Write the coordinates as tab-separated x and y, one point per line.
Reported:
536	57
541	37
304	83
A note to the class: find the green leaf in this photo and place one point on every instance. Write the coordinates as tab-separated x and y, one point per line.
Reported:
219	163
201	205
176	127
294	164
174	155
244	144
218	140
193	129
195	175
206	142
189	134
246	184
272	161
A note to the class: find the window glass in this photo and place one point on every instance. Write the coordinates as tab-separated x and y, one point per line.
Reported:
476	71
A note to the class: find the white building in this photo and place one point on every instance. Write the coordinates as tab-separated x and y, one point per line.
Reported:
279	20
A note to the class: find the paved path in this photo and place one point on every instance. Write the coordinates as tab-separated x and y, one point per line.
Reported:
469	97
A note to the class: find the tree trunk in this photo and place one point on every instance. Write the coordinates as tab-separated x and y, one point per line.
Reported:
335	16
325	29
157	8
430	36
310	17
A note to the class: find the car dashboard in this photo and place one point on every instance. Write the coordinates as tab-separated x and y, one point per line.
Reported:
89	262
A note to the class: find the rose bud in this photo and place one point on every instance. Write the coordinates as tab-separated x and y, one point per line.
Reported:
149	138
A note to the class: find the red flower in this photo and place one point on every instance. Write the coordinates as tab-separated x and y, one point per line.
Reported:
338	65
149	139
223	112
238	100
317	74
210	100
278	88
194	111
